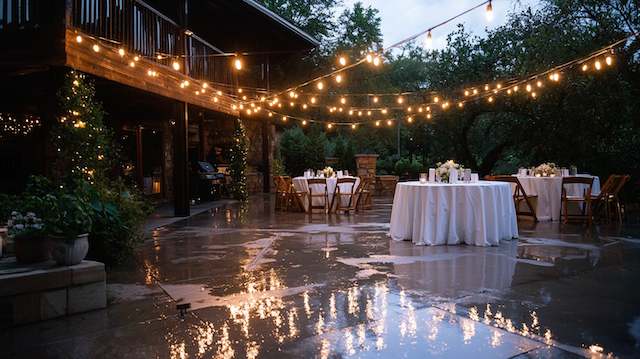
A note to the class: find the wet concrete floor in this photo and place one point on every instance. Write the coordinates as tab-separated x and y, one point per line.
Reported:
266	284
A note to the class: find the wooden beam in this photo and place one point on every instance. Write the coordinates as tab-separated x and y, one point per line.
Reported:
108	64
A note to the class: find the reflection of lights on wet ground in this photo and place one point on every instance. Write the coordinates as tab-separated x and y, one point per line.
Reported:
473	314
496	338
293	329
468	329
307	306
151	272
325	349
224	344
204	338
596	349
178	351
352	300
320	324
348	342
332	306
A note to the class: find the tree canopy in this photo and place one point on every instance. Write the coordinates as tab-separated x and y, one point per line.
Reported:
589	119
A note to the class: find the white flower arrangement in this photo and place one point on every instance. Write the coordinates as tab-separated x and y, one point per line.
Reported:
444	169
328	172
548	169
22	225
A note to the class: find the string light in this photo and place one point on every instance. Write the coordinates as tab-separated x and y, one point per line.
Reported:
329	125
342	61
400	100
320	85
608	60
375	99
585	67
313	100
376	61
237	63
79	39
410	119
338	78
598	65
353	126
96	48
539	83
377	123
489	11
121	52
176	65
136	58
428	42
389	122
369	58
304	122
528	87
343	100
284	118
490	99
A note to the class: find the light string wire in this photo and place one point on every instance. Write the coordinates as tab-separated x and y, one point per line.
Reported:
394	45
509	84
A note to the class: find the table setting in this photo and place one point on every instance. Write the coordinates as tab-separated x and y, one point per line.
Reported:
301	184
449	205
545	182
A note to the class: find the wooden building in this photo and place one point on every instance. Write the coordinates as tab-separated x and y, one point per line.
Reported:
164	70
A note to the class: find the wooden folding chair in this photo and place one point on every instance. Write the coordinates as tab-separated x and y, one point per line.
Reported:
281	193
608	196
295	198
322	194
585	199
519	195
364	193
340	194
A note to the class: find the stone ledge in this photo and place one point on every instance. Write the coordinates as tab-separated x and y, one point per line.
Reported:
45	291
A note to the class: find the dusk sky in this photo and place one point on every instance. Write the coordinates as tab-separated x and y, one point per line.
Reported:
403	18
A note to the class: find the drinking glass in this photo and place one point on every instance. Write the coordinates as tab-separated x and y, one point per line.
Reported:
423	177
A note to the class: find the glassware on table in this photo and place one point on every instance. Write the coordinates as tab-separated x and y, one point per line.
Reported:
423	177
432	174
474	178
346	173
467	175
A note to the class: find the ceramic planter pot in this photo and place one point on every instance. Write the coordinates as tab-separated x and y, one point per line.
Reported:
31	249
69	252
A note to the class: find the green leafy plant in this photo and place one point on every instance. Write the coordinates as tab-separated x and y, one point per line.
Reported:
238	162
68	216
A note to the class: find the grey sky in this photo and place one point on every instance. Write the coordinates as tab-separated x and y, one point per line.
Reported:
403	18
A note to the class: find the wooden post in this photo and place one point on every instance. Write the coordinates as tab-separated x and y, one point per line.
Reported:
266	163
139	160
181	157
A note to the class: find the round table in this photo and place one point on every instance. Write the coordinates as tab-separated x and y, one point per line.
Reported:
300	184
549	192
480	213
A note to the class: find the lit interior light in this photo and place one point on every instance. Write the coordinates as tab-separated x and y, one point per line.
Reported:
466	92
460	104
436	99
428	116
539	83
384	111
475	91
136	58
534	95
304	106
132	64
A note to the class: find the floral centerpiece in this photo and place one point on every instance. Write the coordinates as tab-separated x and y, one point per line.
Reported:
328	172
444	169
545	170
27	231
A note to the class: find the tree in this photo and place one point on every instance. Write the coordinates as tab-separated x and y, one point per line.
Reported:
83	143
238	162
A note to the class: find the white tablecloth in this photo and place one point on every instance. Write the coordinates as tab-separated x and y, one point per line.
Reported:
479	213
300	185
549	192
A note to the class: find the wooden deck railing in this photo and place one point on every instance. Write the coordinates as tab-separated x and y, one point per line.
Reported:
18	14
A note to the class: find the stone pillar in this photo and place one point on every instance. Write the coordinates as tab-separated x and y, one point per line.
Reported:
366	164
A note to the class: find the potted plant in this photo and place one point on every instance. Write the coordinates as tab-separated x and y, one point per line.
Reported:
68	228
27	232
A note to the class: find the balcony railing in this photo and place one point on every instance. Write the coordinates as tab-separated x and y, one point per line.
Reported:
138	28
18	14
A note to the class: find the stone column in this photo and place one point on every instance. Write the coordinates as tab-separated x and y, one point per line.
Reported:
366	164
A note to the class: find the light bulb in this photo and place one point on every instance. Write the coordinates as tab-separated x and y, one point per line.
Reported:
313	100
343	100
338	78
237	63
539	83
353	126
528	88
96	48
284	118
369	58
329	126
376	61
121	52
136	58
132	64
436	99
304	106
292	94
489	11
304	122
598	65
342	61
409	119
78	39
389	122
490	99
375	99
176	65
608	60
384	111
320	85
585	67
466	92
400	100
428	42
377	123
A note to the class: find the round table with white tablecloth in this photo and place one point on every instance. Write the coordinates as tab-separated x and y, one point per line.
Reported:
549	192
300	184
480	213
